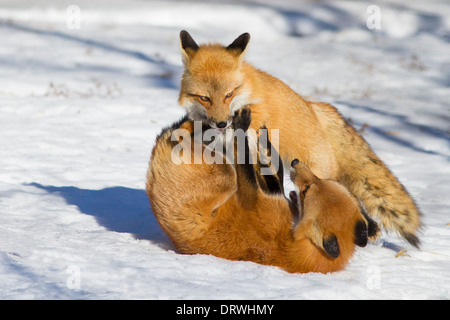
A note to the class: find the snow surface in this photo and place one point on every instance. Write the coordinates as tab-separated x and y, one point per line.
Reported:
80	109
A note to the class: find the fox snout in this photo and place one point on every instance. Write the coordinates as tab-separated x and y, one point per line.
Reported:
219	124
295	162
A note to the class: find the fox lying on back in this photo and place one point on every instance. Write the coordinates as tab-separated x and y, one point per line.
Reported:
217	82
221	209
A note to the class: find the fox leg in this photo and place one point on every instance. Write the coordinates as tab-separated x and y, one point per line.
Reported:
247	179
368	178
250	179
267	164
271	179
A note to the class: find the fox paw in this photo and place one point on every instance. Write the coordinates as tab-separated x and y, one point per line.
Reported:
242	119
367	226
365	229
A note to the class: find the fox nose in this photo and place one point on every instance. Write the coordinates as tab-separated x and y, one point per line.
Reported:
221	124
295	162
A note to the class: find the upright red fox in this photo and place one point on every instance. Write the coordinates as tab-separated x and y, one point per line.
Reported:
220	209
216	82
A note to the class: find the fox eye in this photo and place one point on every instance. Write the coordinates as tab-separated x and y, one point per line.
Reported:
229	94
305	189
204	98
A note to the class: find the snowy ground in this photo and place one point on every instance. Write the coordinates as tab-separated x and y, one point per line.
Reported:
80	109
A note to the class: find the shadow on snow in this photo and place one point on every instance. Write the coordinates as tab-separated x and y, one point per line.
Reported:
163	79
118	209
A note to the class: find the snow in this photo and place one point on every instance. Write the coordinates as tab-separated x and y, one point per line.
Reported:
80	110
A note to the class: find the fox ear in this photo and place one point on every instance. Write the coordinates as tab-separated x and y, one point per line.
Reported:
331	246
188	46
240	44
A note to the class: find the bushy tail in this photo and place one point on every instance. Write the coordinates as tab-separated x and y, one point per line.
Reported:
385	197
368	178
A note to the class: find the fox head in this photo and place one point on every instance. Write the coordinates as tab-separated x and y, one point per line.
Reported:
212	85
320	200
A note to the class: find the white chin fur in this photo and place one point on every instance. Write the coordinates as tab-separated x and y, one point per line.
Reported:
196	112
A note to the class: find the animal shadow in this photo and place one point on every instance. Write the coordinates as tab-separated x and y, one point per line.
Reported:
118	209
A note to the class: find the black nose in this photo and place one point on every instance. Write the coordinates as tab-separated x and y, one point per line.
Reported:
295	162
221	124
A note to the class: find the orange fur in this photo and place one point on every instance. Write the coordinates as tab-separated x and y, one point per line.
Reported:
214	209
313	132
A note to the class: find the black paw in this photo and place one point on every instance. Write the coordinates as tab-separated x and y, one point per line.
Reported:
361	233
242	119
365	229
373	230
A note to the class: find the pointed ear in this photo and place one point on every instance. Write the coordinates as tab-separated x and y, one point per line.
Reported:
331	246
240	44
188	46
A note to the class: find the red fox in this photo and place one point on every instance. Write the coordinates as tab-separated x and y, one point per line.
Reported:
217	82
220	209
